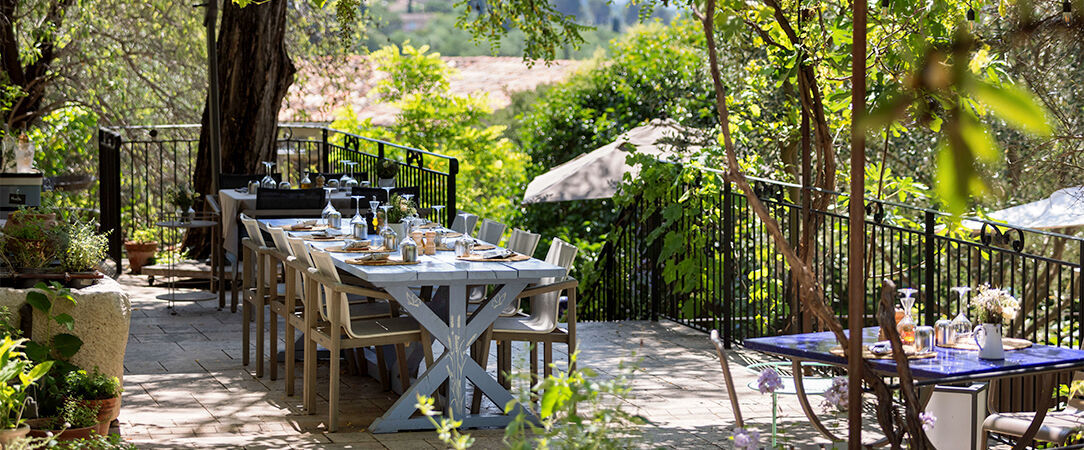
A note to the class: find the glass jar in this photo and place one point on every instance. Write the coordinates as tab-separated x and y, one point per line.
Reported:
306	183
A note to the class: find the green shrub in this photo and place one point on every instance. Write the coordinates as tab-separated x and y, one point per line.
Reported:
84	247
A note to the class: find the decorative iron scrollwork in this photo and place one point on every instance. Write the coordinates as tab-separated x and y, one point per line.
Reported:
414	158
351	142
876	210
286	133
993	236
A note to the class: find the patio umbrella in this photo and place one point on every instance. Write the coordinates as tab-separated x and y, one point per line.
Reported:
1063	209
597	174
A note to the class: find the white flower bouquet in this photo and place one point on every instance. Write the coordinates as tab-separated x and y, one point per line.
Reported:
992	305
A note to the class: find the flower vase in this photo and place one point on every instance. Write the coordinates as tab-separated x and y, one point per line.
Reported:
988	338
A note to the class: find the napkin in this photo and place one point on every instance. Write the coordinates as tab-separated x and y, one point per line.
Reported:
357	245
497	253
305	223
374	257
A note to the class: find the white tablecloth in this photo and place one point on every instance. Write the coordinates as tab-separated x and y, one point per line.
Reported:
233	203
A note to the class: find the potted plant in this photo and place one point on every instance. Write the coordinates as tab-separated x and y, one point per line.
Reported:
84	250
400	208
17	375
97	390
30	244
992	307
74	421
386	170
182	197
141	246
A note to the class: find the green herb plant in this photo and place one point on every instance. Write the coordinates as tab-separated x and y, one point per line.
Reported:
75	414
43	298
17	375
84	248
94	385
387	169
401	208
143	236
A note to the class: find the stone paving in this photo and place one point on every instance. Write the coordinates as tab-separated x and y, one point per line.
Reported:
185	387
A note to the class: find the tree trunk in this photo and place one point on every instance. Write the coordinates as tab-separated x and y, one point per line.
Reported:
254	72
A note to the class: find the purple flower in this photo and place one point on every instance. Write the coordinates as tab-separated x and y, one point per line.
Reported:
836	395
746	439
928	420
769	381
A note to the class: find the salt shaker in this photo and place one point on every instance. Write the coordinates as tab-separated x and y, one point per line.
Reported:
430	243
464	247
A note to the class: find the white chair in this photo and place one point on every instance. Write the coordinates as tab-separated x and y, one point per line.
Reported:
540	327
491	231
345	331
524	242
465	225
283	304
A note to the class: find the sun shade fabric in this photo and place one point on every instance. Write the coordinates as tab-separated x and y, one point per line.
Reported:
597	174
1063	209
240	180
290	198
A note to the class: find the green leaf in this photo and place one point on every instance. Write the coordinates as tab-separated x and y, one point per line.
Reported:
9	371
66	320
1016	106
67	345
36	351
39	301
549	399
40	370
978	139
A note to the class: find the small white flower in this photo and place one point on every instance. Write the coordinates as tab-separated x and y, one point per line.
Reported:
746	439
928	421
769	381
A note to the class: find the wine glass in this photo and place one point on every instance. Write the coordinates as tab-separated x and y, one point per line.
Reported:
327	209
906	327
358	219
960	326
345	180
464	216
373	205
268	182
387	193
438	216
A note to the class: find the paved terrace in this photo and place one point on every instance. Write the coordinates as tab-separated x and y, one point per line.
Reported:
185	388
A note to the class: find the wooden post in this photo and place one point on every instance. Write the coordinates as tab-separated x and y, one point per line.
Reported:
856	232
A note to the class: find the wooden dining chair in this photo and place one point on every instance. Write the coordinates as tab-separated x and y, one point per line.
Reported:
345	331
279	299
1058	427
538	328
491	231
728	378
256	278
464	223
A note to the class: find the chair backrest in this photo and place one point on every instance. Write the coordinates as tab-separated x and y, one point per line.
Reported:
253	230
326	266
290	198
413	190
213	205
299	250
240	180
278	236
465	226
731	391
562	254
370	193
524	242
491	231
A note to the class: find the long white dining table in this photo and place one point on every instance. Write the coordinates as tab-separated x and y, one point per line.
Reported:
456	333
235	201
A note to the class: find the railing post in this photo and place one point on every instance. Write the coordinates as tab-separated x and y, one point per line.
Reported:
109	191
325	149
728	264
449	205
929	255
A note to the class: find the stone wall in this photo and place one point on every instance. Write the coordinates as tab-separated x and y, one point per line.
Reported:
102	314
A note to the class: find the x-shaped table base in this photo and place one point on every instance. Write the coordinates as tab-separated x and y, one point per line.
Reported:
455	365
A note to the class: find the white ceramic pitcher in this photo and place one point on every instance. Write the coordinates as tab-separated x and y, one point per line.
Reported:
990	346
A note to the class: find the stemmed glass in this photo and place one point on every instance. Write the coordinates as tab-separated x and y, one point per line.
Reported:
465	216
384	231
439	217
373	205
387	194
358	219
268	182
344	182
328	209
906	327
960	326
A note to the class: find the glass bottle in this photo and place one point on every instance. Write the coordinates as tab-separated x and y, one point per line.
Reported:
906	326
306	183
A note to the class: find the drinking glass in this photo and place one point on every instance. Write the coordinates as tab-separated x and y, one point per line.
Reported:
327	209
906	327
961	326
465	216
439	217
268	182
345	180
373	205
357	219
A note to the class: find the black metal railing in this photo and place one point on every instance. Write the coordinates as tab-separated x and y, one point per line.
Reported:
729	276
146	161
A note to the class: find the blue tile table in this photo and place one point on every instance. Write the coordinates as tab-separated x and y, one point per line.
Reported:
949	366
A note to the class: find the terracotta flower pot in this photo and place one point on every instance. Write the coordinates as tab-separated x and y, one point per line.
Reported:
10	434
67	435
108	409
139	253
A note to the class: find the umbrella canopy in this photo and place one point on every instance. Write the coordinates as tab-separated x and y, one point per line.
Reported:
1064	208
597	174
